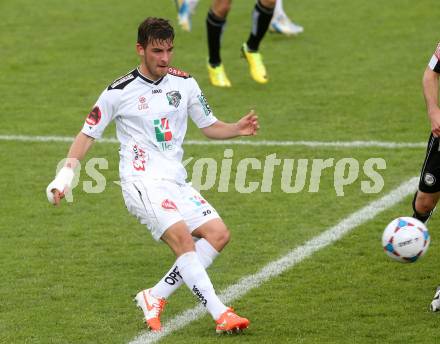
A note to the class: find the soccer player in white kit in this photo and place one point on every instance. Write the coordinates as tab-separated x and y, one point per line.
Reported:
150	106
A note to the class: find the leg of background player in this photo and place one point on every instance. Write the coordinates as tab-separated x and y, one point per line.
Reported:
261	17
215	24
424	205
282	24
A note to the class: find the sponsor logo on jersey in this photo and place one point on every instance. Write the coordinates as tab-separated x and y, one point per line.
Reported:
121	80
162	130
197	200
142	105
177	72
168	205
94	116
174	98
156	91
163	133
429	179
205	105
139	158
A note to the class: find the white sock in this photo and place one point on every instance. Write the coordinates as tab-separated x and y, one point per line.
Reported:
197	280
192	5
173	280
278	8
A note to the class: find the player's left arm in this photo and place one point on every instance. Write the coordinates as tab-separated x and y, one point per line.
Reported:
430	91
247	126
201	114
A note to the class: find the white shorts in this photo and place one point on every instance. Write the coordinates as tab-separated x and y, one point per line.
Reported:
158	204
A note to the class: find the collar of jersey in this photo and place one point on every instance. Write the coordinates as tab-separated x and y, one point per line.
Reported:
139	74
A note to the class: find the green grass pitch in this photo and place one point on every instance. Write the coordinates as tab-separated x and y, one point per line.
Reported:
68	274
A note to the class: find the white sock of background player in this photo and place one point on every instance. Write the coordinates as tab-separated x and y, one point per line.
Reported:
278	8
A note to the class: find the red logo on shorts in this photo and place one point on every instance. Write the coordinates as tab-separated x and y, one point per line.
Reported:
94	116
169	205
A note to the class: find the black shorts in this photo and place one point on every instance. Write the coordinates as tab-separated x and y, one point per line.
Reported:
430	174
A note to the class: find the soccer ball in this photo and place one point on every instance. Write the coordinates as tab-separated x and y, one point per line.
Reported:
405	239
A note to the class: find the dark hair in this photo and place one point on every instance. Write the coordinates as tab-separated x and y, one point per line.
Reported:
154	29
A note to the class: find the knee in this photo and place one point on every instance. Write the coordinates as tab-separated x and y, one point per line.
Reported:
224	236
424	204
268	3
221	8
219	238
180	241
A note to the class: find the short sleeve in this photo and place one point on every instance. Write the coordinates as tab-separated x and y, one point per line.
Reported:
102	113
198	107
434	63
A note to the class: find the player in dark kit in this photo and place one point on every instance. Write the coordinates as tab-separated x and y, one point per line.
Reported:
428	194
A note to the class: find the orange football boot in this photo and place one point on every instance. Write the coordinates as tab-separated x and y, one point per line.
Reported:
230	322
152	308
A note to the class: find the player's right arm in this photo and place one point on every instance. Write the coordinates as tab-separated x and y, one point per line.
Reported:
63	180
96	122
430	91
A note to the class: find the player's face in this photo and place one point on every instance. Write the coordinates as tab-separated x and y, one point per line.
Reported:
156	58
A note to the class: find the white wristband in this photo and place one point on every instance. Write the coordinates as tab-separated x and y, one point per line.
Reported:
62	182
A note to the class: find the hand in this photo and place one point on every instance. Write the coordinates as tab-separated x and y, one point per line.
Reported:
434	116
248	125
56	190
54	195
57	196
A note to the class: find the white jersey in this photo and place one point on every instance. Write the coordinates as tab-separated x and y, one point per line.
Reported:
434	63
151	122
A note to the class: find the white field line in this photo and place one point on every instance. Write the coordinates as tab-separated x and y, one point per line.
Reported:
329	144
294	257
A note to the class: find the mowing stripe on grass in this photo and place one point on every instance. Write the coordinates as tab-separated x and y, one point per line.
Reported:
294	257
329	144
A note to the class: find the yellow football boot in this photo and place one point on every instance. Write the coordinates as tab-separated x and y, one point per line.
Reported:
217	76
256	65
